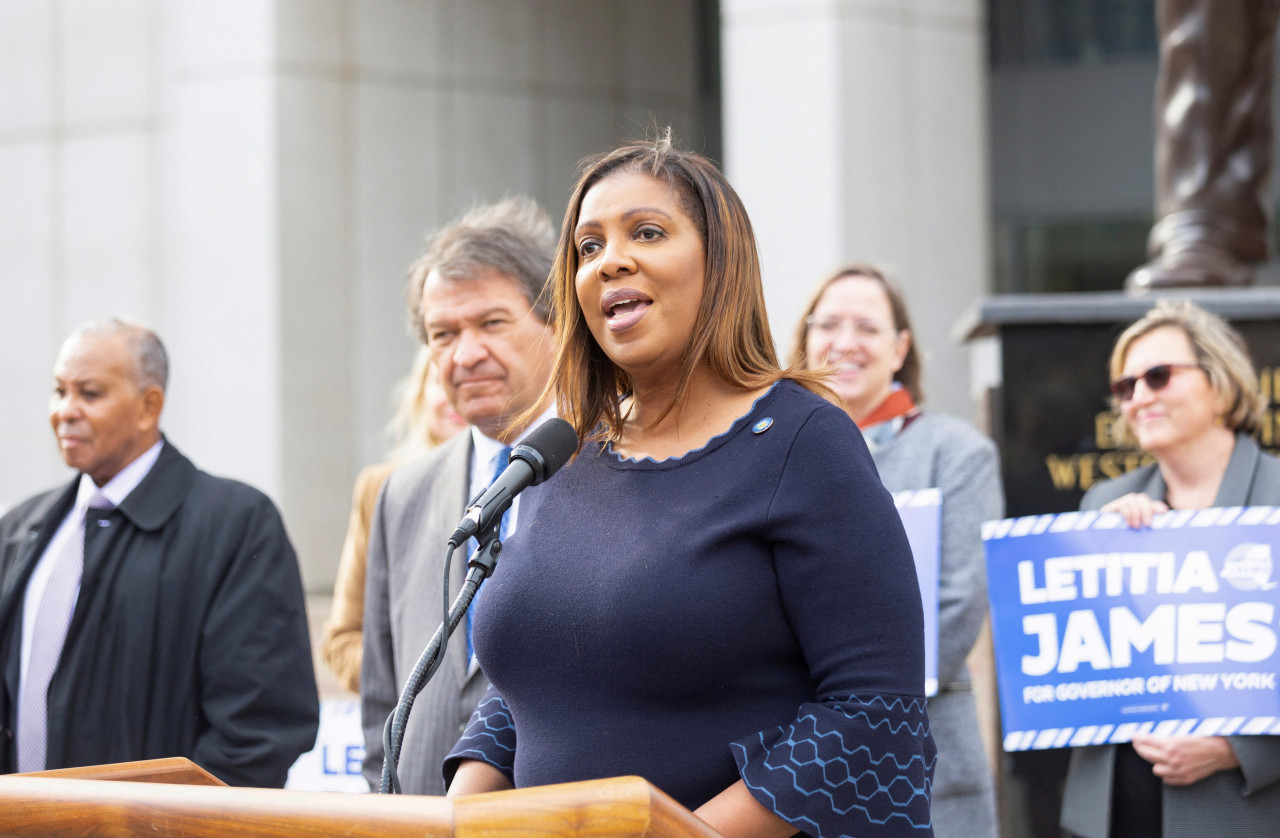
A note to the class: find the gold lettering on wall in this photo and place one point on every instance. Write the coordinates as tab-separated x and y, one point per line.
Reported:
1269	382
1114	456
1269	433
1269	385
1071	472
1107	430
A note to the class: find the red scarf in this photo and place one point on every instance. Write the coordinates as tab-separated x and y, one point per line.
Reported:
898	403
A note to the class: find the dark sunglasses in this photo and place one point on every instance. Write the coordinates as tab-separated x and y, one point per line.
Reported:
1157	378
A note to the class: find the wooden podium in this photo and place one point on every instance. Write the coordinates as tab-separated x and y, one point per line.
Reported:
175	797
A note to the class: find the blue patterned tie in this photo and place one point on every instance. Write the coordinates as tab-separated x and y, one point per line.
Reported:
53	617
504	456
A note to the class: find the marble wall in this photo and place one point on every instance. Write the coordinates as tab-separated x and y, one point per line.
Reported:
872	147
252	177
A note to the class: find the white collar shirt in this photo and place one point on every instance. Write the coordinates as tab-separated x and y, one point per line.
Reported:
484	464
485	451
115	491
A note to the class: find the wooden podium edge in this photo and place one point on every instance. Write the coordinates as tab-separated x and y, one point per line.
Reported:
670	818
618	807
178	798
173	770
40	806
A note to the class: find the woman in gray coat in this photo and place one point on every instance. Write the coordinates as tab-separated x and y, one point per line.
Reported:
857	324
1187	392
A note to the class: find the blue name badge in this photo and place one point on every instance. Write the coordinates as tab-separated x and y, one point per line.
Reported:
921	513
1102	631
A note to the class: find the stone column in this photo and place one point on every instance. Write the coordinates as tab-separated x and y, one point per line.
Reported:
856	129
252	178
254	303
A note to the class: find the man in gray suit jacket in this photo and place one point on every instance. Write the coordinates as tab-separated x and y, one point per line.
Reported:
475	301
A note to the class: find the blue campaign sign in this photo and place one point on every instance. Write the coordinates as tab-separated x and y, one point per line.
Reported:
1102	631
921	513
334	763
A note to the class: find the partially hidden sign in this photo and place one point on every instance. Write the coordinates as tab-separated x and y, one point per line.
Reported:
921	513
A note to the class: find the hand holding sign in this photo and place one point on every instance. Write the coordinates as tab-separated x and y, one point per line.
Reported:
1183	760
1137	509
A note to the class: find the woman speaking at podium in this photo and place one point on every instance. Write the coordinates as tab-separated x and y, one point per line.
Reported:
1186	390
717	593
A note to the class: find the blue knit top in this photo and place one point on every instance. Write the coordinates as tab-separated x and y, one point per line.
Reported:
749	610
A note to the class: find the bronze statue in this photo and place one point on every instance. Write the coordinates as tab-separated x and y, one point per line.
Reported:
1213	144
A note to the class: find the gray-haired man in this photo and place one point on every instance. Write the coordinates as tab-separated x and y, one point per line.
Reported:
474	300
147	609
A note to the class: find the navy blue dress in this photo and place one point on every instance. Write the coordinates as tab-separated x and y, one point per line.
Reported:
749	610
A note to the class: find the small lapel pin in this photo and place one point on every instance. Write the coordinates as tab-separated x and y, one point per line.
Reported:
762	426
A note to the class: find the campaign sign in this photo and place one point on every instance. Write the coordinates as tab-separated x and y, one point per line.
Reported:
921	513
334	764
1102	631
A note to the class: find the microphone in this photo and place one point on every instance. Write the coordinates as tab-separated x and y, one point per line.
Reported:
541	455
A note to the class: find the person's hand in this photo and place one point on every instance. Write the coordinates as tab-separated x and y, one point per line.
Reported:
476	777
1137	509
1183	760
735	813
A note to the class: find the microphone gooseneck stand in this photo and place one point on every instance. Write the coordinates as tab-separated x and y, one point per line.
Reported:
480	567
548	447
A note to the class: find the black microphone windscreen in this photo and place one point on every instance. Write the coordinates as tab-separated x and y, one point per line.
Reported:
555	441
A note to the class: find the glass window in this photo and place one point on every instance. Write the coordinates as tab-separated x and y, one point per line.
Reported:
1046	32
1068	256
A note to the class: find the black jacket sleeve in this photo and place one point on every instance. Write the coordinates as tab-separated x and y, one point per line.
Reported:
258	687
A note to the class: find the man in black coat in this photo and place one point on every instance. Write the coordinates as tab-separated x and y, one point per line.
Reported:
186	634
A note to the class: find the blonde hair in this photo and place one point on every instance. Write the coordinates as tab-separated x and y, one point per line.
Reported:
910	373
731	331
412	428
1219	350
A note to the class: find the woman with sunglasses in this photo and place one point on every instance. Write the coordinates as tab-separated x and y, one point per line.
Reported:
858	327
1187	392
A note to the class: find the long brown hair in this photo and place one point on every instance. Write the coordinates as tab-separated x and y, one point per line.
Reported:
911	371
731	332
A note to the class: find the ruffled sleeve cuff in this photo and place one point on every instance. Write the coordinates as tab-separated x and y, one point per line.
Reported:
856	766
490	737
